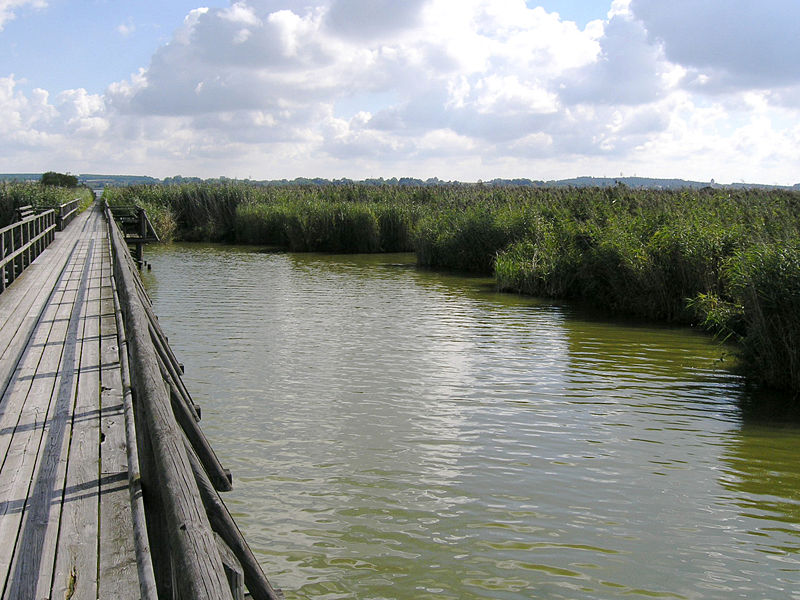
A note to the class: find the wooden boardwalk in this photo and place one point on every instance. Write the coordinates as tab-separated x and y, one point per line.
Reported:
68	496
65	516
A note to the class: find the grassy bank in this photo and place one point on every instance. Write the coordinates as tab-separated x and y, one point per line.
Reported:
15	194
726	260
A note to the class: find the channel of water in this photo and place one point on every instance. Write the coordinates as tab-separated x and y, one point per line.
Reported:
400	433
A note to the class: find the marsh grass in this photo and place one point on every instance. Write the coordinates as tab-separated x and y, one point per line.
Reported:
726	260
15	194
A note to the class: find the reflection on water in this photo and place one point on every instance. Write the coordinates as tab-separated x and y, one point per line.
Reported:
400	433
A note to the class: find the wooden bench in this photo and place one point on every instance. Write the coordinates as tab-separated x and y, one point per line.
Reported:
25	212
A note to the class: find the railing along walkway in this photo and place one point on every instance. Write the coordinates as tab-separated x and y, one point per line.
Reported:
22	242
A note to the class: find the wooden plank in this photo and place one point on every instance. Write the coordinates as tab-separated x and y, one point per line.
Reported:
22	303
75	573
119	576
18	417
34	557
41	275
35	425
186	418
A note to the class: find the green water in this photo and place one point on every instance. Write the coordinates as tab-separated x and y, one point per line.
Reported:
400	433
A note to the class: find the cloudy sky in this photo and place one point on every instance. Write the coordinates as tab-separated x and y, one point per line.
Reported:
455	89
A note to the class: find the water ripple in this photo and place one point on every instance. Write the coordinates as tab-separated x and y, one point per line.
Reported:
397	433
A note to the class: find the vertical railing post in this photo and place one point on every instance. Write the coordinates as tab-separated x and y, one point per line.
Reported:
26	238
142	235
17	237
2	256
30	245
37	230
13	264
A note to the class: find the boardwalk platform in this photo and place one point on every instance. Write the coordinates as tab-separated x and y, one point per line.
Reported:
108	487
65	506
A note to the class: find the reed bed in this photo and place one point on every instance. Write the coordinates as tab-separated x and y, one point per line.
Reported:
727	260
15	194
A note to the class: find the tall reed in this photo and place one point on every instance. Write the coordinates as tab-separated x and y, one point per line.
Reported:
15	194
722	259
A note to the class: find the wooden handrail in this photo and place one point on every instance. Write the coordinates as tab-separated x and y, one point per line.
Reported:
181	538
22	242
144	558
67	212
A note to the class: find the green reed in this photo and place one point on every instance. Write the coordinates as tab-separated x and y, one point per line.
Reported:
723	259
14	194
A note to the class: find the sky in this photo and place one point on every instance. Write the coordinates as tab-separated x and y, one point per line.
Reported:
455	89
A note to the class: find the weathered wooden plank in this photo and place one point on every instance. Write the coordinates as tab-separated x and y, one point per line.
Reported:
34	558
22	303
17	292
75	573
22	422
32	463
233	570
118	563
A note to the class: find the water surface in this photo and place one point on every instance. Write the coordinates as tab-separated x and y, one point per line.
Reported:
401	433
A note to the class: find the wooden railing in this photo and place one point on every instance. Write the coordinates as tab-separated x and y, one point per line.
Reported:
21	243
197	551
67	212
136	228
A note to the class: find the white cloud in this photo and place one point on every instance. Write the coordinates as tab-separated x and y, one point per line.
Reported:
44	133
476	88
628	69
9	8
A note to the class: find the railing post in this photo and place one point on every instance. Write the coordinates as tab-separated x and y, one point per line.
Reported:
13	263
35	236
2	256
26	240
140	212
17	244
30	243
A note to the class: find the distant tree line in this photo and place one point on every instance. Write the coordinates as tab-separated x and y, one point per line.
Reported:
59	179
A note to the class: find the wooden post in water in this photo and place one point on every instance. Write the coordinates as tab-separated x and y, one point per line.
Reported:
2	262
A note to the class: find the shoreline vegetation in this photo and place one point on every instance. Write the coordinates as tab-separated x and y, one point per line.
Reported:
40	196
727	260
